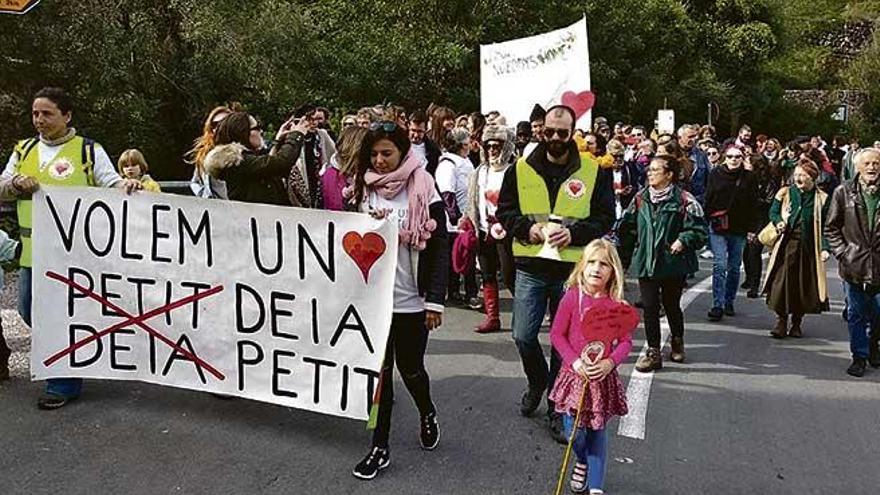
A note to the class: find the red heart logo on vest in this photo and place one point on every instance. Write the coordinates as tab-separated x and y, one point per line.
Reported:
364	250
575	187
492	197
581	102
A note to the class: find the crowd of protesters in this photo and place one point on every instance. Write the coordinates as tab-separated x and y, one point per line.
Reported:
484	204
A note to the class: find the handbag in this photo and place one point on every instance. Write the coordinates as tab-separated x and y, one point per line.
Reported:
768	235
720	220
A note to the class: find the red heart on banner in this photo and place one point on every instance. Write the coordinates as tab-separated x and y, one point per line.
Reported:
364	250
581	102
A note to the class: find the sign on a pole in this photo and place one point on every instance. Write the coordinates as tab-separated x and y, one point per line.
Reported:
17	6
666	121
546	69
276	304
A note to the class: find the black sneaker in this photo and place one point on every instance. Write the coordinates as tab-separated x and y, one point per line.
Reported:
728	309
377	460
715	314
429	434
530	401
752	294
49	402
874	355
557	432
857	368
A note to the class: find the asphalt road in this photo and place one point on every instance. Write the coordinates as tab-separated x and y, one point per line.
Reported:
745	414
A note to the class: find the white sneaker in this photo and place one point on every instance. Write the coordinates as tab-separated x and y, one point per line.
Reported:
707	255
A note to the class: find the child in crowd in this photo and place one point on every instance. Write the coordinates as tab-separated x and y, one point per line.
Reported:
592	332
133	165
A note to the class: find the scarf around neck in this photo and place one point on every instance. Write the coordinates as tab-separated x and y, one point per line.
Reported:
660	195
419	186
869	189
71	133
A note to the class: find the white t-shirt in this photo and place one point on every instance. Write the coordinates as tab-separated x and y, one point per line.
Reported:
452	175
406	286
489	184
419	151
105	174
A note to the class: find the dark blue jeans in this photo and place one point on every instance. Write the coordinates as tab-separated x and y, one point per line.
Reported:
533	295
863	311
63	387
727	252
591	448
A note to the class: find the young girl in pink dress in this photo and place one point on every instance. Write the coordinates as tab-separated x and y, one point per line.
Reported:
592	332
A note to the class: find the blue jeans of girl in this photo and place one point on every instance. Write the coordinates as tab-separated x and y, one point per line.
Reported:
590	448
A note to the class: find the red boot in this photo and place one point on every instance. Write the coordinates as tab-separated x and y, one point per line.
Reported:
492	323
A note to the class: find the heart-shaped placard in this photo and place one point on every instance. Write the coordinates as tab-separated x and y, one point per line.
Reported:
581	102
364	250
593	352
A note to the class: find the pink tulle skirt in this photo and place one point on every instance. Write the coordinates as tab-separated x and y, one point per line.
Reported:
605	399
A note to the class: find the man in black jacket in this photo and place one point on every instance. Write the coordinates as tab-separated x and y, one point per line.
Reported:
853	231
558	172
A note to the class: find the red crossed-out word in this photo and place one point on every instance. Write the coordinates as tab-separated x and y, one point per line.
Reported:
135	320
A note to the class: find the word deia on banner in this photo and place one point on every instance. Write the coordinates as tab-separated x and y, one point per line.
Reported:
282	305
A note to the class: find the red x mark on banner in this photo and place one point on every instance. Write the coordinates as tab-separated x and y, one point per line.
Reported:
135	320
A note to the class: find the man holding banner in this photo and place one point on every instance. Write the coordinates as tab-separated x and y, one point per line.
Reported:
59	157
554	201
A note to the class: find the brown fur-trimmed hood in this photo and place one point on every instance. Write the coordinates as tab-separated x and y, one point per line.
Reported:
222	157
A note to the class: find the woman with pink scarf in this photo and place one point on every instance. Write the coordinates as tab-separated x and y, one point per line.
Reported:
392	183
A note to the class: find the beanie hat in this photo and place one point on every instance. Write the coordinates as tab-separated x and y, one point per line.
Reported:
494	132
538	113
524	127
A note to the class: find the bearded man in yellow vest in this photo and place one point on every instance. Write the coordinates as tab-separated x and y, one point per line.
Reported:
554	202
57	157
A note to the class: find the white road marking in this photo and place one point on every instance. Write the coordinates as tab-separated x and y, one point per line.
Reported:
639	389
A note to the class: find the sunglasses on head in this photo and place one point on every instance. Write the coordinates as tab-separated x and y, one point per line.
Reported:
549	132
385	125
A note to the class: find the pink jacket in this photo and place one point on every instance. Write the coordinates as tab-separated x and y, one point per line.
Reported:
332	183
567	334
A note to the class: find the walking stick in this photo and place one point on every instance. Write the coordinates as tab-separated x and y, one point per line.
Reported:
563	471
591	354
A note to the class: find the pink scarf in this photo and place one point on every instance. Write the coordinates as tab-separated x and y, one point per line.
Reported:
419	188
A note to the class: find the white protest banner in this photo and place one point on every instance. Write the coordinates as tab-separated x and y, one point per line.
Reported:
281	305
547	69
666	121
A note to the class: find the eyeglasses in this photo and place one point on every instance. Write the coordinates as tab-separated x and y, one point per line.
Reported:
735	157
549	132
348	123
385	125
712	153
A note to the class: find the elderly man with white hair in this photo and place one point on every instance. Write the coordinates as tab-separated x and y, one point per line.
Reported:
853	231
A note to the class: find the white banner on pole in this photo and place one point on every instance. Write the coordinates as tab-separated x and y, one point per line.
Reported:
547	69
281	305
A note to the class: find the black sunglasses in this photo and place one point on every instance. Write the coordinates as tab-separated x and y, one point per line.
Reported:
562	133
493	145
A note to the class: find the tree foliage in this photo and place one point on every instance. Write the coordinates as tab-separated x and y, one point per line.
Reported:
145	72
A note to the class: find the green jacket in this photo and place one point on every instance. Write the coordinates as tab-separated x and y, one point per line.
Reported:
646	231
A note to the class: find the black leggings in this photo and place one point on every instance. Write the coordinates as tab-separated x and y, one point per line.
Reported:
667	291
4	349
494	255
407	343
752	262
